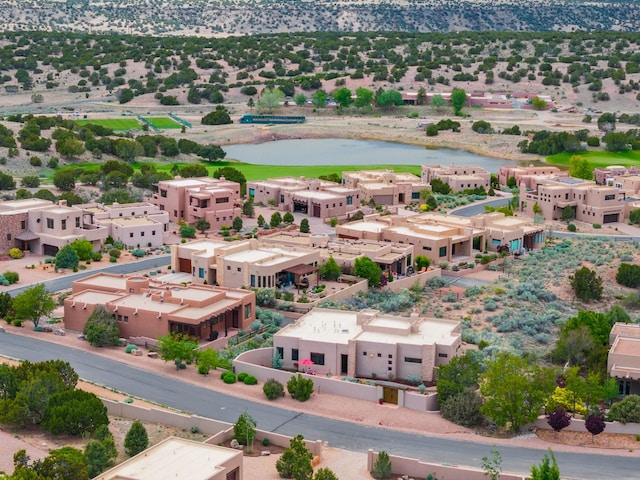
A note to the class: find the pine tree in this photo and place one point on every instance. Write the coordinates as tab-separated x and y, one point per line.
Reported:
136	440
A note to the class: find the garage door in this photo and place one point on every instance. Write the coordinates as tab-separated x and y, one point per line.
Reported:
185	265
50	250
611	218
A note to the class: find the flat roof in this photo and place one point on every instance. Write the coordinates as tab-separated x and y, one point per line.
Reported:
26	203
93	297
627	346
133	221
321	195
365	226
208	245
102	280
145	302
173	458
193	294
197	313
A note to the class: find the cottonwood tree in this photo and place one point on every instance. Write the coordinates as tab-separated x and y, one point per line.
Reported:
514	390
458	100
269	100
33	304
368	269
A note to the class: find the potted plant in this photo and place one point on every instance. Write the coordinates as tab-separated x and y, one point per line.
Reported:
380	401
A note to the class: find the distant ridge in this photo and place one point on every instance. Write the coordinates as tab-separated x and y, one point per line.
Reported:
232	17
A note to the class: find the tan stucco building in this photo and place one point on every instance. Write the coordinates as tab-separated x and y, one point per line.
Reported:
368	344
174	458
623	362
517	173
590	202
247	263
385	187
188	199
145	307
458	177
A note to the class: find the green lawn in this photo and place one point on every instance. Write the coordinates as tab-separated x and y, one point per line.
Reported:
163	122
114	123
599	159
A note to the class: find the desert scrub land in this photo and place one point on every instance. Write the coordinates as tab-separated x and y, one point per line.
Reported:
220	17
524	309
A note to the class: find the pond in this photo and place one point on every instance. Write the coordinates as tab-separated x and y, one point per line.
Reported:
338	151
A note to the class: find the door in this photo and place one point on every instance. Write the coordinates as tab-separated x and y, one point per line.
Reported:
316	210
185	265
344	364
611	218
49	250
390	395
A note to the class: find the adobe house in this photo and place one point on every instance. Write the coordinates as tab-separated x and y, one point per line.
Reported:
146	307
623	362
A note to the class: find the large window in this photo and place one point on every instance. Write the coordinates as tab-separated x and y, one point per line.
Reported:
317	358
412	360
49	222
609	197
280	351
295	354
64	224
443	251
222	200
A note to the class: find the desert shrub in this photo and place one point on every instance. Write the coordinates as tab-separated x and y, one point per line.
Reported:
96	256
571	227
15	253
229	377
242	376
250	380
626	410
12	277
596	225
300	388
115	253
627	275
265	442
130	348
265	298
3	281
490	305
138	252
463	408
273	389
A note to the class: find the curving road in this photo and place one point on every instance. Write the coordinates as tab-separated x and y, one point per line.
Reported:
208	403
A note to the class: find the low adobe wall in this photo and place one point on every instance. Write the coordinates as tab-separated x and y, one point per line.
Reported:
417	469
347	292
406	283
577	425
219	432
257	363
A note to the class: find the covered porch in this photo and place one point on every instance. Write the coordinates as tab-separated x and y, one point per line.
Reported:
298	276
214	325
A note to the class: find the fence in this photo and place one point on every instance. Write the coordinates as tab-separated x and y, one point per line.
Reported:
180	120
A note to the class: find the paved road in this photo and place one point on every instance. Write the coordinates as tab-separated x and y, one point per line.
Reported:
64	282
339	434
478	208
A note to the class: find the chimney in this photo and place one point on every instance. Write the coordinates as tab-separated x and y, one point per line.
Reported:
62	203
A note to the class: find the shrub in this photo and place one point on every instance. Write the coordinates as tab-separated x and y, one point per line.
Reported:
130	348
229	377
273	389
300	388
12	277
138	253
265	298
250	380
382	466
626	410
463	408
113	259
74	412
136	440
265	442
596	226
571	227
15	253
114	252
627	275
242	376
96	256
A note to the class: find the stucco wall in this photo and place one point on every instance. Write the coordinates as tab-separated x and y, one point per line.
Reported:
577	425
408	282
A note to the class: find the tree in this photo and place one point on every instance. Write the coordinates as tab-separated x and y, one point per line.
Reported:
70	147
568	214
177	347
202	225
31	181
481	127
574	345
300	99
607	122
288	218
389	98
368	269
187	231
270	100
124	96
72	199
634	216
364	98
460	373
422	262
421	97
64	179
438	186
66	258
579	167
458	100
248	209
220	116
191	171
300	388
261	221
538	104
548	469
319	99
514	390
63	464
207	360
136	440
276	220
295	461
586	284
438	103
325	474
233	175
237	224
537	210
100	453
101	329
33	303
210	153
74	412
330	269
382	467
244	430
343	98
492	465
304	226
559	419
628	275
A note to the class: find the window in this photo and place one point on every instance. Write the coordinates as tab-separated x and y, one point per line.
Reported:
8	236
415	195
162	208
130	234
390	356
253	280
349	200
281	198
280	351
77	222
427	248
379	355
412	360
609	197
163	193
49	222
364	354
175	213
239	269
443	355
153	232
142	234
228	267
443	251
23	224
295	354
317	358
126	319
222	200
247	311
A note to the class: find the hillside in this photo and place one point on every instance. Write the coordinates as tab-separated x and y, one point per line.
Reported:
225	17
